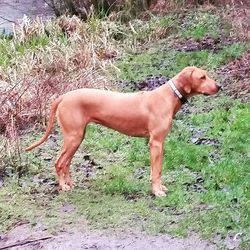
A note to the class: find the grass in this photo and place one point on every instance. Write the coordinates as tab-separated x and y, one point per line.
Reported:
169	61
208	184
201	24
219	206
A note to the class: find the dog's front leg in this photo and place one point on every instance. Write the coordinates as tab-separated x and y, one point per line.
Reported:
156	155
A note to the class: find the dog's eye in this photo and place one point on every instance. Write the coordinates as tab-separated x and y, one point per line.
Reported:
203	77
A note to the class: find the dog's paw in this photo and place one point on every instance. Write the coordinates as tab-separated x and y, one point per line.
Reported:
71	184
159	193
163	188
159	190
65	188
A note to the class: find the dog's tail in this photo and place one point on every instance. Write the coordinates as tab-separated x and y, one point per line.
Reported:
50	124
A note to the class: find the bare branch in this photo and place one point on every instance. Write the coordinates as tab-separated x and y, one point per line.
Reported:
25	242
6	19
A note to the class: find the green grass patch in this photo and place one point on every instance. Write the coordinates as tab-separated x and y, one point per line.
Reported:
201	24
10	51
115	197
170	62
208	184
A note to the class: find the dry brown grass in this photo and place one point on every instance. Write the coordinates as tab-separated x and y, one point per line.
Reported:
83	9
43	61
240	18
36	77
165	6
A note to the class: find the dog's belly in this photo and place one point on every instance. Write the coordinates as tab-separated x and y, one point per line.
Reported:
129	126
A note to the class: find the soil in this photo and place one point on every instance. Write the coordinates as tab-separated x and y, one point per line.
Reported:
206	43
24	237
149	83
236	78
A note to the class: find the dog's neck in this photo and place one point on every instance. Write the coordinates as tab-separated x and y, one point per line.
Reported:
178	93
172	101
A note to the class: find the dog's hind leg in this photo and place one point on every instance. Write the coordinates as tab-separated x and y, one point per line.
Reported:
70	146
73	131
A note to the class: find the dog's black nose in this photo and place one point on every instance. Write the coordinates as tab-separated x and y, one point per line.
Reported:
219	87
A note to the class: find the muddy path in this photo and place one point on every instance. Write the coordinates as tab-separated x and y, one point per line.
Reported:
24	237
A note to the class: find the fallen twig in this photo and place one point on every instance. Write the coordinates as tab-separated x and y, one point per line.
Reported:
8	20
25	242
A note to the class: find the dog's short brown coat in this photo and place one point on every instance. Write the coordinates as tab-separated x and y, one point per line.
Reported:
146	114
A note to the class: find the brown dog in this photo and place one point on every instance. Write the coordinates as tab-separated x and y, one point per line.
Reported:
144	114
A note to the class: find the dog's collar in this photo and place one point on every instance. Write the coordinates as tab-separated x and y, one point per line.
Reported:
182	98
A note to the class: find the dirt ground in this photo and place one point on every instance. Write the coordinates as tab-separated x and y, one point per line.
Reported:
236	75
26	238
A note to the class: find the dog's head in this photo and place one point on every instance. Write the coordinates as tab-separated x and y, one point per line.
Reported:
194	81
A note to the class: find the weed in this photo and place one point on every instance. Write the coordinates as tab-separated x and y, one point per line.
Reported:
201	24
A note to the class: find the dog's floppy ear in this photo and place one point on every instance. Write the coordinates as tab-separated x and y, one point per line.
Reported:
185	79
